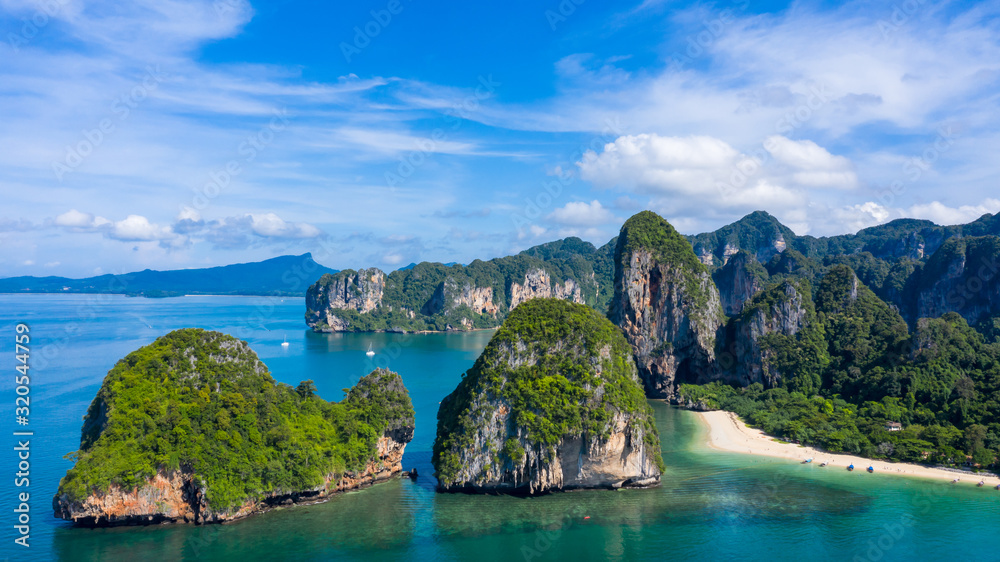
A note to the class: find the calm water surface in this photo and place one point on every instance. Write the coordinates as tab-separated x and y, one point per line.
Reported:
712	505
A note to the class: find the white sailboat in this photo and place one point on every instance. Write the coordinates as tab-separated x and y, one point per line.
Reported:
370	352
285	343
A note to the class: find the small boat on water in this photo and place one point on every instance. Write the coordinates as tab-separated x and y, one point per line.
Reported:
370	351
998	486
981	484
285	343
850	468
822	464
807	461
871	469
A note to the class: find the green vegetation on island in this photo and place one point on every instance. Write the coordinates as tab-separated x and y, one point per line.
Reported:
561	370
435	297
202	403
941	383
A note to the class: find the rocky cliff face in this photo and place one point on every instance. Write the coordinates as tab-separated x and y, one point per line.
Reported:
205	455
783	309
553	403
360	290
963	276
180	497
738	281
429	297
667	305
451	294
538	285
776	246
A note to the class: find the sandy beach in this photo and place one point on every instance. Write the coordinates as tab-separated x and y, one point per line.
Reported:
728	433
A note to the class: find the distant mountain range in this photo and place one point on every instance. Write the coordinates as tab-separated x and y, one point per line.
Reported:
280	276
414	264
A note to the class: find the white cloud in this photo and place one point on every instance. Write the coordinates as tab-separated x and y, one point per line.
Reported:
188	214
853	218
392	259
811	165
707	168
273	226
700	177
133	228
650	163
533	232
804	154
76	219
578	213
944	215
137	228
392	142
251	230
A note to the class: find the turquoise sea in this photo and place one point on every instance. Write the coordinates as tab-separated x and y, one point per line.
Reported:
711	505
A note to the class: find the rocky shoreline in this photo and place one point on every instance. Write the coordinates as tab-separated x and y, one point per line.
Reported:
175	497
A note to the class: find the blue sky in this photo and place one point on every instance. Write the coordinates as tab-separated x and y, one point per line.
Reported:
175	133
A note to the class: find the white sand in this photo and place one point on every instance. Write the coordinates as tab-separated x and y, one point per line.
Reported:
728	433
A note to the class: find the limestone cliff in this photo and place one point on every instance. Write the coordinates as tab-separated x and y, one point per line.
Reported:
783	309
451	294
667	304
192	428
553	403
436	297
538	284
963	276
359	291
738	281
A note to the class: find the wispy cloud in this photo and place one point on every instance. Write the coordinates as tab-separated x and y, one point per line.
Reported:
827	107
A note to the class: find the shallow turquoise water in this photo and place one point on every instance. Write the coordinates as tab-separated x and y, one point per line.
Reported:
711	505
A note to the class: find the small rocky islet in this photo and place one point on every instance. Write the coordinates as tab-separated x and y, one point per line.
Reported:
193	428
553	403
